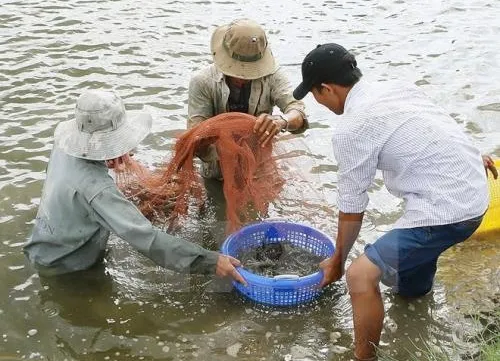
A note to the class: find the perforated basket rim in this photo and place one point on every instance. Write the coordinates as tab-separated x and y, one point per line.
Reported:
265	281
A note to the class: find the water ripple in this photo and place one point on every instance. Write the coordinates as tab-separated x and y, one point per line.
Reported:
51	51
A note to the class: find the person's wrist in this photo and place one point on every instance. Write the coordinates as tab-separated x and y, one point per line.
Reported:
337	263
284	121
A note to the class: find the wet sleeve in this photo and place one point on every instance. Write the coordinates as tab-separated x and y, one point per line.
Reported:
122	217
357	159
281	95
200	102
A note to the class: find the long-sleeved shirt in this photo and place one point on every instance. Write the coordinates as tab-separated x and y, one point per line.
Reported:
80	206
209	94
424	156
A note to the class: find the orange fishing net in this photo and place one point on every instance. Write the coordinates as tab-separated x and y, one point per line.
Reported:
251	176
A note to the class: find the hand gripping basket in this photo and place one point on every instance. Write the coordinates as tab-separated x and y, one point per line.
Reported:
282	290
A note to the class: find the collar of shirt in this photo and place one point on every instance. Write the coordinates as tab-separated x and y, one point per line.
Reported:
355	95
219	76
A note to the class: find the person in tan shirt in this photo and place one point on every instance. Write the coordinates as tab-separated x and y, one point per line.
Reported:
243	78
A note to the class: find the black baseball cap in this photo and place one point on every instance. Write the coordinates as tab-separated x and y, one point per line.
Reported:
327	63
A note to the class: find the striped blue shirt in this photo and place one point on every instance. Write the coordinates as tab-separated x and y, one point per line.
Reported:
424	156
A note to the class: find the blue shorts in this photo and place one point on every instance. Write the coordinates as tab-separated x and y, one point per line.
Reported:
408	257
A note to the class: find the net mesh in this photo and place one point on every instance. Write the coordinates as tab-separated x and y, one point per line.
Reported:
251	176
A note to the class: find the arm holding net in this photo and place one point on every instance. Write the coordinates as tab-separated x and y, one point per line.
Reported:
281	95
121	217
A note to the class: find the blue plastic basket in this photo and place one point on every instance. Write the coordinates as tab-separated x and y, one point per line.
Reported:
282	290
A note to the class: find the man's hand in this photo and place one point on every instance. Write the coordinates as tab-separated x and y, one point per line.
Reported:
332	270
267	126
119	164
348	230
225	268
490	165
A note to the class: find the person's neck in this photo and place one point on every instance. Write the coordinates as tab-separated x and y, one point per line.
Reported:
343	93
347	90
237	83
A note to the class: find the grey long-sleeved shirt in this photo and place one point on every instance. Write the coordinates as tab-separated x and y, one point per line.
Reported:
81	205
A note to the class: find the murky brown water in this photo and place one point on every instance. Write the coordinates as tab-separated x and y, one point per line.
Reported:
130	309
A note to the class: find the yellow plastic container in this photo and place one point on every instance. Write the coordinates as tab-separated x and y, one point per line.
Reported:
491	221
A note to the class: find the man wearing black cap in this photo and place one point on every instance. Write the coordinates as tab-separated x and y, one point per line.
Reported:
425	159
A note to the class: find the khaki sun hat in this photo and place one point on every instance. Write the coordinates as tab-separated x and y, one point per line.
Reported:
240	50
102	129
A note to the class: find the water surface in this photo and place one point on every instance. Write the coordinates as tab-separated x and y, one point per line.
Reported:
128	308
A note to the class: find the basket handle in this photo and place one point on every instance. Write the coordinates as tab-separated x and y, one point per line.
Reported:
286	277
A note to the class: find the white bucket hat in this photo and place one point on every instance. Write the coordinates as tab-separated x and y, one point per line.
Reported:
240	50
102	129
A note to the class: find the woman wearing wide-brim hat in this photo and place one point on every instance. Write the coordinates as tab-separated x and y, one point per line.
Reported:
81	204
244	77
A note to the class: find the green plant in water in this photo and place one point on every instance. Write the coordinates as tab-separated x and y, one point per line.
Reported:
490	339
491	352
488	342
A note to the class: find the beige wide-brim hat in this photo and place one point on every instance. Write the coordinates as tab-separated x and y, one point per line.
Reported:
240	50
102	129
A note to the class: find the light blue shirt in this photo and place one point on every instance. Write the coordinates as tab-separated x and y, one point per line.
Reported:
81	205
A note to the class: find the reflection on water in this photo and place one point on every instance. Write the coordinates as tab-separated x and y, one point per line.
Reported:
127	308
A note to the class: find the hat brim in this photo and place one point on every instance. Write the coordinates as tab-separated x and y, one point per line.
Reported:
301	91
236	68
103	145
